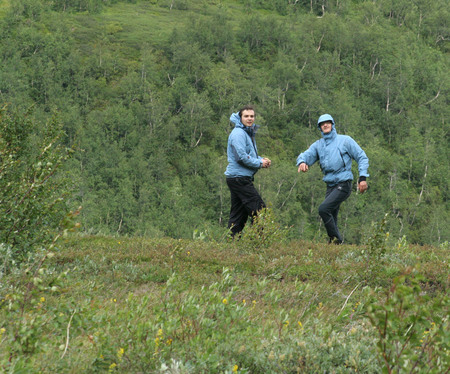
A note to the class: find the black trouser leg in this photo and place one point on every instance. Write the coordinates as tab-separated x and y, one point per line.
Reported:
238	214
329	209
245	202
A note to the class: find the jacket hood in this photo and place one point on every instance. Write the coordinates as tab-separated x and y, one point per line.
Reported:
234	118
324	118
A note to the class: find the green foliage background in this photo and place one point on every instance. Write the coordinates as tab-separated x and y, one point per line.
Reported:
146	89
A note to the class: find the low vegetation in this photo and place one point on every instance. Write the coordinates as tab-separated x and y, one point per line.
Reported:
106	304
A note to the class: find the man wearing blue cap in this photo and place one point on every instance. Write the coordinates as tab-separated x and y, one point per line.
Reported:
335	153
243	163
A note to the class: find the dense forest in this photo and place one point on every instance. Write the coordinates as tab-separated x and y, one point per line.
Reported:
143	90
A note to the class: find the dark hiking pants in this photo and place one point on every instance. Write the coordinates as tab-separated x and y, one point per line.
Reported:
245	202
329	209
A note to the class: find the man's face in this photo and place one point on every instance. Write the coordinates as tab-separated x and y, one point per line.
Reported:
326	127
248	117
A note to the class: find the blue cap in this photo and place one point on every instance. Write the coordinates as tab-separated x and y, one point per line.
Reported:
325	118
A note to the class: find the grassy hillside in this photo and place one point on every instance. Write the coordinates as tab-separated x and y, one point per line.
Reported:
137	26
190	306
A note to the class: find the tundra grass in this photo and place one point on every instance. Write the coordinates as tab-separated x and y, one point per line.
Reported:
144	24
191	306
4	6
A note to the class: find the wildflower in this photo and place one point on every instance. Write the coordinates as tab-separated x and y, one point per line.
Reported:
286	323
235	368
169	341
225	301
159	333
120	353
114	300
243	301
2	331
112	366
300	324
42	299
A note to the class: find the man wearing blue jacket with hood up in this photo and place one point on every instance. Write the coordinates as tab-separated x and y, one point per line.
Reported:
243	163
335	153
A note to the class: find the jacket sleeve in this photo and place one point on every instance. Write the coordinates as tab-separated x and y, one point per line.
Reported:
238	145
356	152
310	156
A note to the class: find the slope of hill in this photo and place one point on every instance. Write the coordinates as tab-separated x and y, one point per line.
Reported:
146	305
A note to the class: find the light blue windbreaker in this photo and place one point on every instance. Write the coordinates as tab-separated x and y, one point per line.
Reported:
243	159
335	153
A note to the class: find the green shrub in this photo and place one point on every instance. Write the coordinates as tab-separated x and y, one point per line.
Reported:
34	216
263	232
413	332
32	185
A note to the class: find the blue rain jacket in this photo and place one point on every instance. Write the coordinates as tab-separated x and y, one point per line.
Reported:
335	153
243	159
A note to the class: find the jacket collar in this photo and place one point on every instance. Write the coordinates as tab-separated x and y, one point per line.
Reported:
330	136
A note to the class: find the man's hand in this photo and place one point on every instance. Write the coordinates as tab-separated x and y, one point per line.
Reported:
362	186
302	167
266	162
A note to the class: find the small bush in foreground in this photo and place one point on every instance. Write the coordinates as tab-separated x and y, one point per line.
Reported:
413	336
264	231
